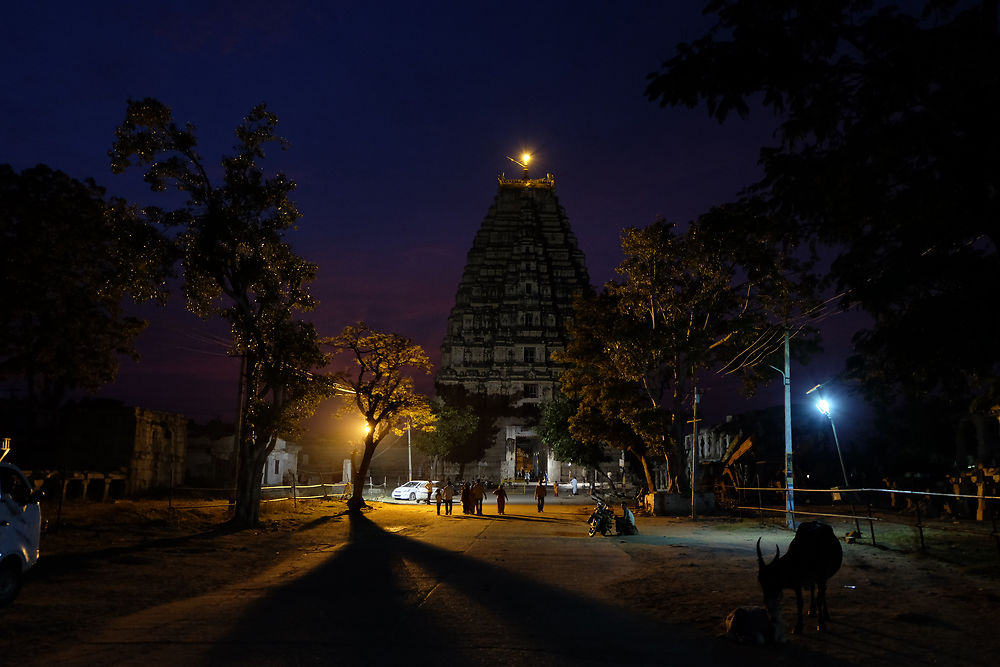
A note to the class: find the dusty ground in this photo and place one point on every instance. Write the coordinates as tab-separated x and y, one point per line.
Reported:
892	605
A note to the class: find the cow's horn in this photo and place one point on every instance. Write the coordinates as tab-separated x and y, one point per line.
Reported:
760	556
777	553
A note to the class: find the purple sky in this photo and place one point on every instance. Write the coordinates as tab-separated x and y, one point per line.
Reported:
400	116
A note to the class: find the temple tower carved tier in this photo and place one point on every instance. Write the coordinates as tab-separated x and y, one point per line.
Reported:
515	297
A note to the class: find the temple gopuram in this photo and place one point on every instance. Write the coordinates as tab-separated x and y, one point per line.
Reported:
511	310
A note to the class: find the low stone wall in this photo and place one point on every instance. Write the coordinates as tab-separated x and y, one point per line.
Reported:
673	504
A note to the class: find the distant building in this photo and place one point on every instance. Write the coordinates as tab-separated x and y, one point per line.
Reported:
511	310
148	446
210	456
282	465
713	442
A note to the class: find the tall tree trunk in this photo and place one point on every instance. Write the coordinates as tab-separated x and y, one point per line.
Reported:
357	500
650	484
246	512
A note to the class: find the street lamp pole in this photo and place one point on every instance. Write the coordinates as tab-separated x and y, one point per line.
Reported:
836	442
823	406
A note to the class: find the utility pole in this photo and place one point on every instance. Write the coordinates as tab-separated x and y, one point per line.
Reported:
409	453
694	447
789	476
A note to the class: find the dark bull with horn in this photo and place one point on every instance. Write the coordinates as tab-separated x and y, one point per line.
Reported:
812	558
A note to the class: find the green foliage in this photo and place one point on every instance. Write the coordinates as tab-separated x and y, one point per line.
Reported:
71	258
884	156
237	266
555	433
489	409
685	306
454	426
235	257
603	340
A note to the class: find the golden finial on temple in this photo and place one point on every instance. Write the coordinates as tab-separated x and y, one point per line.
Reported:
523	162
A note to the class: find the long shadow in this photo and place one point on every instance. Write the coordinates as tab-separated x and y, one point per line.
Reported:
376	601
67	562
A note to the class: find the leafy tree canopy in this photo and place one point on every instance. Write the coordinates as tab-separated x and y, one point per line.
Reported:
554	431
684	306
885	152
489	409
71	258
382	389
237	265
453	427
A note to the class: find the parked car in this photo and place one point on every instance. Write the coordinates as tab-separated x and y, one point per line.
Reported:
20	530
413	490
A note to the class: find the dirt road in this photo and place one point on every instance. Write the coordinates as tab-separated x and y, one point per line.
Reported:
402	584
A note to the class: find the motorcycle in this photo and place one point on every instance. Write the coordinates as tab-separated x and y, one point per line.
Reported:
602	519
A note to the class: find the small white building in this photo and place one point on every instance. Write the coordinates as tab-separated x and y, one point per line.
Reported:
282	464
210	461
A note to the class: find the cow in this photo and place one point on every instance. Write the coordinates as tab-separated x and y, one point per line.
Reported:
812	558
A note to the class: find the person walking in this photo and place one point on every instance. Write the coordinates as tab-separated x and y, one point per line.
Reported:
572	484
430	489
438	497
501	494
478	495
466	498
540	494
448	494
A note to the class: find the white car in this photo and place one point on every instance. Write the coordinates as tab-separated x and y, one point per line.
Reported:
20	530
413	490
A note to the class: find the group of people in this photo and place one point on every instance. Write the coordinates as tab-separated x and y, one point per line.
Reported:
470	495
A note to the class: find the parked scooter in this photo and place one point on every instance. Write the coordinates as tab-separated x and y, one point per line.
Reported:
602	519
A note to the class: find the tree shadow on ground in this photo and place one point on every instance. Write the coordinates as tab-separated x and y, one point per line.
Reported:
384	597
67	562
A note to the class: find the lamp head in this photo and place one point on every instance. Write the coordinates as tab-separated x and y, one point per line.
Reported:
823	406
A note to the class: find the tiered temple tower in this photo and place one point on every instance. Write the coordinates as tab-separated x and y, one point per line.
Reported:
513	304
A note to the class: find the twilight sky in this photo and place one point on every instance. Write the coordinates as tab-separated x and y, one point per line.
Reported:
400	116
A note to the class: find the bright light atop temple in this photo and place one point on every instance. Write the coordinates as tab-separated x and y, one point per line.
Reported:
525	158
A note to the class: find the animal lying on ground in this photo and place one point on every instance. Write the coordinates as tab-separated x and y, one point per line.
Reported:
812	558
751	625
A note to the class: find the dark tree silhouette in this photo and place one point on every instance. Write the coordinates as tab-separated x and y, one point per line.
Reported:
71	258
886	153
237	266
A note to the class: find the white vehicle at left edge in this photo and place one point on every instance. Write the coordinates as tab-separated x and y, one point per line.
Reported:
20	530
